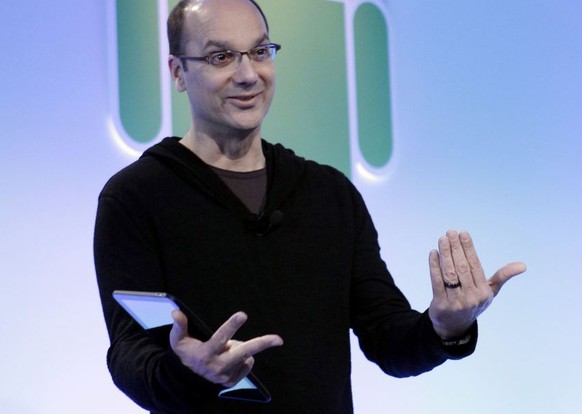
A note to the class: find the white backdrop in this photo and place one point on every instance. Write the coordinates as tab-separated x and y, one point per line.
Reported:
487	105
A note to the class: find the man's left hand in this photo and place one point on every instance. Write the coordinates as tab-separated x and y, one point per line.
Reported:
461	291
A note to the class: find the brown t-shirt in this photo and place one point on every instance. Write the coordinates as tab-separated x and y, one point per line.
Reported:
250	187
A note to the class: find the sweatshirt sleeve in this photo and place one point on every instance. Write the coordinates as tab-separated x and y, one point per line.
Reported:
400	340
142	365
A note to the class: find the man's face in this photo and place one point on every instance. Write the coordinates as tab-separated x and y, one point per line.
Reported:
231	100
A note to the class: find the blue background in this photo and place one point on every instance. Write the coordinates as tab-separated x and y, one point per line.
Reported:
487	105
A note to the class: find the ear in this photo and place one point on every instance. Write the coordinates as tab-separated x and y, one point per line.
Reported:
177	72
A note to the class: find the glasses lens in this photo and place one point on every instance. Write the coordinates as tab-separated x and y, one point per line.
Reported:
221	59
260	54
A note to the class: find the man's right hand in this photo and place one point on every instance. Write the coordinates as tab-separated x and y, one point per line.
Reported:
221	359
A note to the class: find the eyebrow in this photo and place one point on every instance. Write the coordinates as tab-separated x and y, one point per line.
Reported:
224	45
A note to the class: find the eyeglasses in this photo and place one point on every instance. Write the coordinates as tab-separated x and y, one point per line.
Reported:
227	58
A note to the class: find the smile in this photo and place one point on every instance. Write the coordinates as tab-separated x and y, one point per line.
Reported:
244	100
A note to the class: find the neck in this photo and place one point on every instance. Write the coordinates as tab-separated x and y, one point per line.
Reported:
233	153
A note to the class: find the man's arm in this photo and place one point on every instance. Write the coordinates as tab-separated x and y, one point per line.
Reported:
168	371
400	340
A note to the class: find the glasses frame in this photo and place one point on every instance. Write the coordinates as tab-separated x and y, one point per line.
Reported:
237	54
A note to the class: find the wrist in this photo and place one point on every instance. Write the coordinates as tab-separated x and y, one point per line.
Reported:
457	341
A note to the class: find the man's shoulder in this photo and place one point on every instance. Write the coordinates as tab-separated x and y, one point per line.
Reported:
312	166
135	175
148	170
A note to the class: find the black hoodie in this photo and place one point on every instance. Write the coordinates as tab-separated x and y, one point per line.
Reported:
307	268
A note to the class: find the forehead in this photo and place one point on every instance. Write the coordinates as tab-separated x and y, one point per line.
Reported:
233	24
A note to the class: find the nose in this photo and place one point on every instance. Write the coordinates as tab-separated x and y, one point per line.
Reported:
246	72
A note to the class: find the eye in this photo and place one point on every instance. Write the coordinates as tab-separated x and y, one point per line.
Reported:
260	53
220	58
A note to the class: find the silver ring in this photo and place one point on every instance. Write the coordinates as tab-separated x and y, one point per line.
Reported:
452	285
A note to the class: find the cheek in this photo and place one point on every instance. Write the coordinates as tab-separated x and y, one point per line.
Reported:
270	76
203	92
269	80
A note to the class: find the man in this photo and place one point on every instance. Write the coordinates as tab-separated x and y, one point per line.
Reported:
228	222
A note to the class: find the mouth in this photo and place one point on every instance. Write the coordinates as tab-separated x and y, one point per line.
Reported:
245	101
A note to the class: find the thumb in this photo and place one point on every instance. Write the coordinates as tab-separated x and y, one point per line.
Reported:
504	274
179	328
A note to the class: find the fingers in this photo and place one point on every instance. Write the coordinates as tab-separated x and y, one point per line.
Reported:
242	371
254	346
459	260
455	268
448	253
218	341
236	357
504	274
180	327
239	359
473	262
436	276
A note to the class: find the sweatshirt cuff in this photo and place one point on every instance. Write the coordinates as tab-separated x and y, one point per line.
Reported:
462	346
454	348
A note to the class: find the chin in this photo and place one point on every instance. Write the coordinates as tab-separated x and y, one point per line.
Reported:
248	123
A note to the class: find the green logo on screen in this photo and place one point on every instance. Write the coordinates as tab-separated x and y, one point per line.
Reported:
332	102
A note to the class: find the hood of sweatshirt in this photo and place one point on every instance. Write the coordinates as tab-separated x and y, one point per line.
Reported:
284	170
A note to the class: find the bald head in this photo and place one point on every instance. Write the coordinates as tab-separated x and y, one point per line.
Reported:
175	25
